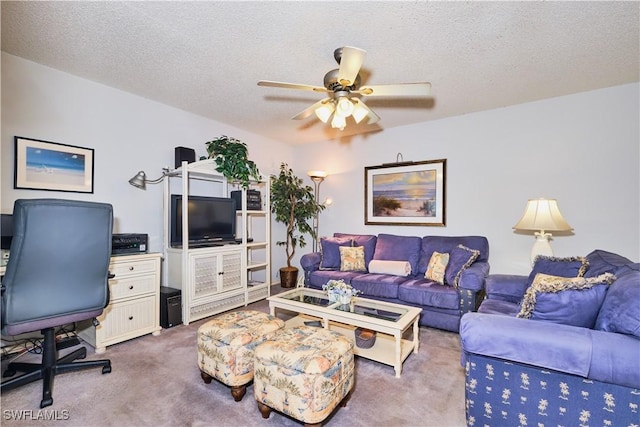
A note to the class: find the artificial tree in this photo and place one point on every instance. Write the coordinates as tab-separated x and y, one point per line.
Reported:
293	204
231	158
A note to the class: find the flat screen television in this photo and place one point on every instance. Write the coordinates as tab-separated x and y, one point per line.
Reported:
212	220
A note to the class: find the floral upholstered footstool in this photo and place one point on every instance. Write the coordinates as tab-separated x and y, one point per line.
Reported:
226	345
303	372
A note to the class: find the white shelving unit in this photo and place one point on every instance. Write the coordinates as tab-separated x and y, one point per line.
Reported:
217	279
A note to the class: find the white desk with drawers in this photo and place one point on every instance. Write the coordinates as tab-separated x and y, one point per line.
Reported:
134	305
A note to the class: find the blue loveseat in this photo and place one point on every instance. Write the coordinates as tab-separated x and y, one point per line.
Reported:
574	361
442	303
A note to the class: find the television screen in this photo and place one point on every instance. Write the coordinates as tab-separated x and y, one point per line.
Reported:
211	220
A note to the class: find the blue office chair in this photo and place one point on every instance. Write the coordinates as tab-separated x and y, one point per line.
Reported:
57	274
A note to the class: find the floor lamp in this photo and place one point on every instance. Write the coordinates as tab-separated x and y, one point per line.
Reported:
317	177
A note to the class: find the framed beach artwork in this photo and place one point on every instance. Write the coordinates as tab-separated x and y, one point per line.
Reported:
411	193
44	165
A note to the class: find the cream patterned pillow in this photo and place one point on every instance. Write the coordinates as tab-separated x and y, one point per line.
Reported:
437	267
352	258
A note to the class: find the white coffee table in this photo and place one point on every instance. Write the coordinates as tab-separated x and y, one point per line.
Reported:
390	321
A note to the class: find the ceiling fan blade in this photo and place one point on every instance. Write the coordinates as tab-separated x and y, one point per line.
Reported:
368	112
350	64
310	110
403	89
292	86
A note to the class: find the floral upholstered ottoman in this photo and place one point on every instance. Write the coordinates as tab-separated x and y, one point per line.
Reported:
303	372
226	345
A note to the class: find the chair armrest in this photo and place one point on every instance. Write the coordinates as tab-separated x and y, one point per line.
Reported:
566	348
506	287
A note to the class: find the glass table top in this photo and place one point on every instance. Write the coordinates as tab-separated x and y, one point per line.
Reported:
360	306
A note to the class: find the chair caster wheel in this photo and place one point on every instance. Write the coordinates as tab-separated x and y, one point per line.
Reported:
46	402
106	369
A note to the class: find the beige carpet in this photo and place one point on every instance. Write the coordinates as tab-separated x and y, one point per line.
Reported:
156	381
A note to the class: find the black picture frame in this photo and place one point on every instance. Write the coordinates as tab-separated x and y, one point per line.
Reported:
51	166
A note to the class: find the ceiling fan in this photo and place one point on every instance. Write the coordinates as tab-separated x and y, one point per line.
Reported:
343	87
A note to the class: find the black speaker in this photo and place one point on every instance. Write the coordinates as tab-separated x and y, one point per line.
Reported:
170	307
184	154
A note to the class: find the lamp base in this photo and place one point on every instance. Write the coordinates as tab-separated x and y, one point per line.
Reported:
541	246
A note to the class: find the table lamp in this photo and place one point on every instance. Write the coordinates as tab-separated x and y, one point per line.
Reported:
542	216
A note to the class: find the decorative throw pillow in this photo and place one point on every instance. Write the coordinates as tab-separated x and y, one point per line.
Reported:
352	258
460	258
620	311
563	267
437	266
330	253
567	300
393	268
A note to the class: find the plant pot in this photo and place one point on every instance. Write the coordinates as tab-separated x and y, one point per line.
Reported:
288	277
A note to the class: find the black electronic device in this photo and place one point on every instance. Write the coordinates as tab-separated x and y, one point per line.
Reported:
6	231
131	243
212	220
184	154
254	200
170	307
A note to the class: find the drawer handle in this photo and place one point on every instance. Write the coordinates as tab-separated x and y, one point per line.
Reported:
131	287
130	317
131	268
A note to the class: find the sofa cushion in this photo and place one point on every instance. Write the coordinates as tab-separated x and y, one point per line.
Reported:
601	262
569	301
331	253
499	306
320	277
427	292
352	258
460	258
398	248
437	267
620	311
563	267
377	285
445	244
368	241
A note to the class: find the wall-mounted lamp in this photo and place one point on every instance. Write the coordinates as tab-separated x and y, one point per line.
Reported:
543	215
140	179
317	177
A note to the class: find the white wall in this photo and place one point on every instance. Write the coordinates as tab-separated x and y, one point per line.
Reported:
128	133
582	150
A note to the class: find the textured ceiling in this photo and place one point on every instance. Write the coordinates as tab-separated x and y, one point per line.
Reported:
206	57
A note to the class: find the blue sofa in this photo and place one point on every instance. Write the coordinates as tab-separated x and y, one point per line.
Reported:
442	303
581	367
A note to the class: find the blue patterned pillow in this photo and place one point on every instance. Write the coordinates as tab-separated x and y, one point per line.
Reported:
331	252
460	258
572	301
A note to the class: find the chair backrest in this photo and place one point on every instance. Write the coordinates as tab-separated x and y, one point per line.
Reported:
58	265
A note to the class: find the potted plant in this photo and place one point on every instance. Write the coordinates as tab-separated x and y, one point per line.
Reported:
230	155
293	205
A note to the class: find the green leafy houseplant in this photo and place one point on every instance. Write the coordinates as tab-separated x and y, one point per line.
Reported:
293	204
231	158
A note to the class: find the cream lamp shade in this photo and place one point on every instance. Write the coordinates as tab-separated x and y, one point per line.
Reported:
542	216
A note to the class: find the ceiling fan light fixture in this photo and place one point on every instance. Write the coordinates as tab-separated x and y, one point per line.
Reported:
359	112
344	107
338	122
324	111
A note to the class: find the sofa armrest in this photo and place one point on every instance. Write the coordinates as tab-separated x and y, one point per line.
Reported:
473	278
566	348
506	287
597	355
311	261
